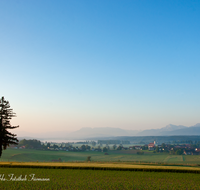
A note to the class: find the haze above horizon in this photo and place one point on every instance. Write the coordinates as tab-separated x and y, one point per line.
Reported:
132	65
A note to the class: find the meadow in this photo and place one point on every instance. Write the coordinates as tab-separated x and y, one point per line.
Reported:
30	155
93	179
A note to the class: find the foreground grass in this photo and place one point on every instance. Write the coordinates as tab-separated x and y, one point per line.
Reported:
91	179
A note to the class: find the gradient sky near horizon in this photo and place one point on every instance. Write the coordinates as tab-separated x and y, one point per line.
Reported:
129	64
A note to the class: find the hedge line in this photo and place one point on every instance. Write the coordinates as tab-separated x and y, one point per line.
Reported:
104	168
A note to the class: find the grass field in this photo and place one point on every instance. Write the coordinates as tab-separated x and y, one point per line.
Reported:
91	179
29	155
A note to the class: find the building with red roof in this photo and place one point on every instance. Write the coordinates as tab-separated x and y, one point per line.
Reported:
151	146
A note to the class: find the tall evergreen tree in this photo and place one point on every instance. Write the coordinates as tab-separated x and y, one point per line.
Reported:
6	114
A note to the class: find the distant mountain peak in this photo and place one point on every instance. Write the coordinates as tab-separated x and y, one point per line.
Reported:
172	127
197	125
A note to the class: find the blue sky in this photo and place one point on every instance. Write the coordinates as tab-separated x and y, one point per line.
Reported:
129	64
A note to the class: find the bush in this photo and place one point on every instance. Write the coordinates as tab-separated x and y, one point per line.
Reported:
105	149
89	158
140	153
119	147
179	152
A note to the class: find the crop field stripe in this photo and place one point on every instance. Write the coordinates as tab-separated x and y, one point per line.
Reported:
99	179
103	167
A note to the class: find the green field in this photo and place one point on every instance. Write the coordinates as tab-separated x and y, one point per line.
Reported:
91	179
30	155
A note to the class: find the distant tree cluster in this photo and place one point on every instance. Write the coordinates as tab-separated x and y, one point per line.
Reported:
176	151
36	144
105	149
114	146
85	147
119	147
93	143
144	147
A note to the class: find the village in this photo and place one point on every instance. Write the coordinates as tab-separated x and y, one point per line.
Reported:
154	147
186	149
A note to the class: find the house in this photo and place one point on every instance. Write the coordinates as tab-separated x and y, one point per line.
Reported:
197	149
137	147
188	146
22	147
179	147
151	146
97	149
13	146
188	152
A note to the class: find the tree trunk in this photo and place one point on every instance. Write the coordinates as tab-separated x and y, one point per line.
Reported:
0	150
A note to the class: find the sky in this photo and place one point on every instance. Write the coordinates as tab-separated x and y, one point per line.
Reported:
128	64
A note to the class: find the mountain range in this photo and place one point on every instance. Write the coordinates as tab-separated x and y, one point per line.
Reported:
169	130
102	132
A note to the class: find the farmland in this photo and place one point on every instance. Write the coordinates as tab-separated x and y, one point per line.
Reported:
93	179
118	170
30	155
